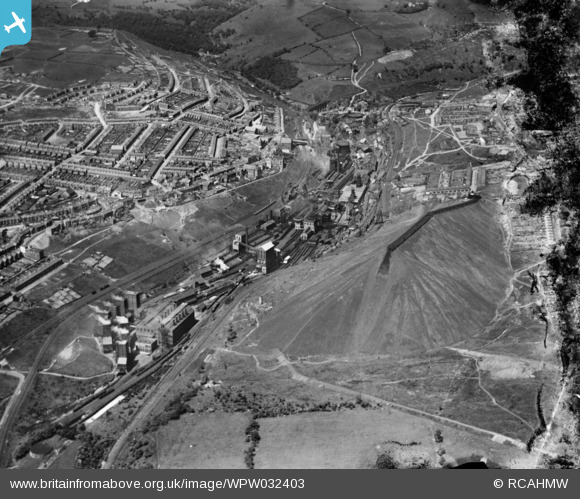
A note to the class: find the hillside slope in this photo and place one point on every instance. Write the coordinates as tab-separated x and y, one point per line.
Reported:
443	286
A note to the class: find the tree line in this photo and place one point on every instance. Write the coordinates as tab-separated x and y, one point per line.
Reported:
188	31
549	32
280	72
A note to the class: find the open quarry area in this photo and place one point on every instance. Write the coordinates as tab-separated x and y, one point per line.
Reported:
280	234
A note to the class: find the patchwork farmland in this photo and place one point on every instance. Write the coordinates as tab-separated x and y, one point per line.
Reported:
325	42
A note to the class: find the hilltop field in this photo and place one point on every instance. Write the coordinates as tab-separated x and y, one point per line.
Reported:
60	58
323	41
317	45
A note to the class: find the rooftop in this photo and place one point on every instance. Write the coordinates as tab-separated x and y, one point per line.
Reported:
175	312
267	246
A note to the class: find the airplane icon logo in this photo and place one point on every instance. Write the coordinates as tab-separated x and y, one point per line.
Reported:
15	14
17	22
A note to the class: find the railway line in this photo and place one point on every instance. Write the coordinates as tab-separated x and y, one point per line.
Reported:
191	349
71	312
94	403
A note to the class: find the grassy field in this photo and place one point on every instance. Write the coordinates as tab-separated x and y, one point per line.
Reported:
373	46
482	413
88	282
446	383
354	439
82	325
343	72
215	215
76	240
299	52
434	65
66	460
320	57
112	6
68	275
316	90
239	373
203	441
356	5
379	29
130	254
130	249
23	323
348	438
343	48
53	396
214	435
310	71
445	14
270	26
48	62
396	30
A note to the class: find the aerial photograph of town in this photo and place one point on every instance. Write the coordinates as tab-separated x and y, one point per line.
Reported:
290	234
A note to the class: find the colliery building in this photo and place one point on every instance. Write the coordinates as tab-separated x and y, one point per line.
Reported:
250	240
267	257
175	325
166	328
